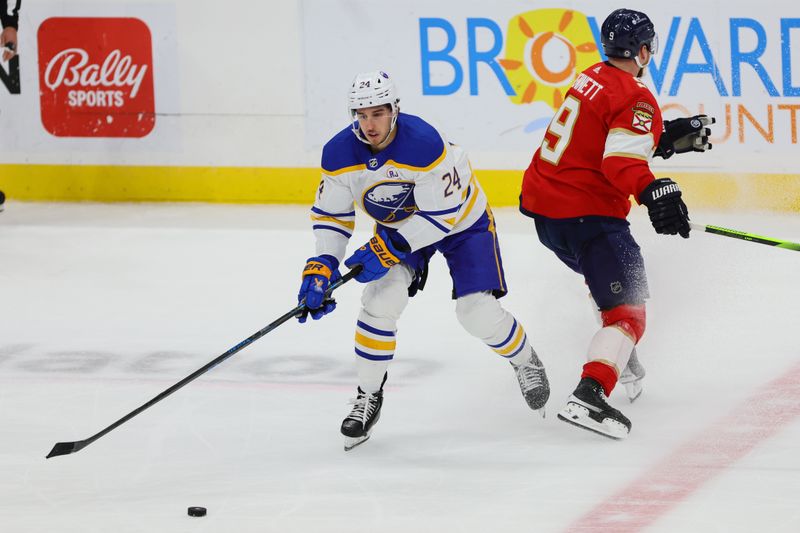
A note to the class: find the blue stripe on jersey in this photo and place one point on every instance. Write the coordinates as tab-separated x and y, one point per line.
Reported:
373	357
342	151
325	213
443	212
331	228
417	144
513	329
432	221
376	331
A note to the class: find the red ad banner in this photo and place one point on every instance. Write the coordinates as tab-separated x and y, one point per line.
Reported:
96	77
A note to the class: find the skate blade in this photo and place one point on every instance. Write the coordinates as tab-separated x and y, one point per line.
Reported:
538	404
633	390
352	442
577	415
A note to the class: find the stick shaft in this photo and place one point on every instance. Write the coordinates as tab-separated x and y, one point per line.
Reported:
63	448
736	234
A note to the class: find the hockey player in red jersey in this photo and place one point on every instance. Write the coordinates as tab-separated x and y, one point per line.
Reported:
595	154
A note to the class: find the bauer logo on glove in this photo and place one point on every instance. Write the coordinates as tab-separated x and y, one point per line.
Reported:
378	255
316	267
318	274
387	258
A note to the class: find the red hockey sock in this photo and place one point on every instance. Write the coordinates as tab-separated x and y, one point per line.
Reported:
602	373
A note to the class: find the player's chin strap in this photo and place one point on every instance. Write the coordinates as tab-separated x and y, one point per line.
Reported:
735	234
357	129
641	66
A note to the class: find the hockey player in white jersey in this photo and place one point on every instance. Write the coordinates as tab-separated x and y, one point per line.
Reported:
424	197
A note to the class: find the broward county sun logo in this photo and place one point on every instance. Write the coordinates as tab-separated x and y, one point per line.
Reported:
545	50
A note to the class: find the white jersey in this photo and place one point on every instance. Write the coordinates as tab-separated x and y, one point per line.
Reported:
419	184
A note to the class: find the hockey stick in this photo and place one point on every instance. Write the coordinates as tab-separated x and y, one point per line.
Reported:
65	448
716	230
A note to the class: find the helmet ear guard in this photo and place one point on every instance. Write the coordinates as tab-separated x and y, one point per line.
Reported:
371	89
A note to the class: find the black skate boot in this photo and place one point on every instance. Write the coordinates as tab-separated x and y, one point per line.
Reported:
587	408
365	414
533	382
632	377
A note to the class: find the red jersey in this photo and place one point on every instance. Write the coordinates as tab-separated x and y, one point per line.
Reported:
596	150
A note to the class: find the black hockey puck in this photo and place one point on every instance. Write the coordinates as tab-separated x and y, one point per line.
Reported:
197	511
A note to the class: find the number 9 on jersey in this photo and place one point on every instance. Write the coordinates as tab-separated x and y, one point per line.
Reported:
560	129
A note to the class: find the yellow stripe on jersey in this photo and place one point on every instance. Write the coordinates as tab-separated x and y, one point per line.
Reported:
375	345
320	218
626	131
392	162
344	170
493	231
423	169
624	154
475	191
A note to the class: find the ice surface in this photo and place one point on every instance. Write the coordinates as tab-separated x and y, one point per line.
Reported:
105	306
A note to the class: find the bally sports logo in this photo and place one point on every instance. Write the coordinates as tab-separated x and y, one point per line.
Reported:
96	77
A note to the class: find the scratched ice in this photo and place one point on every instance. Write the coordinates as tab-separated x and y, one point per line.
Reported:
105	306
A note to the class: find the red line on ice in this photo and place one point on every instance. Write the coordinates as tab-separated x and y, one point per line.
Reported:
662	488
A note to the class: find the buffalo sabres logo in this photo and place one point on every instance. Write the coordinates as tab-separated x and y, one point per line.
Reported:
389	201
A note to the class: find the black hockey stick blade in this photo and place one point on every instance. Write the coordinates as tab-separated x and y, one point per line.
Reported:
67	448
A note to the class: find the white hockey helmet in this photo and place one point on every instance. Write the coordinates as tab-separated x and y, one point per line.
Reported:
370	89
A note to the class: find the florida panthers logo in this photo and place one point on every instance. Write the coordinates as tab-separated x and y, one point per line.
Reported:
390	201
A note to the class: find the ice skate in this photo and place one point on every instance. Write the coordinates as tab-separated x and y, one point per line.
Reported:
588	408
632	377
533	382
366	411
